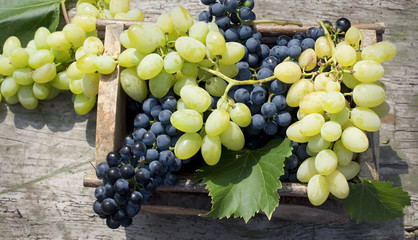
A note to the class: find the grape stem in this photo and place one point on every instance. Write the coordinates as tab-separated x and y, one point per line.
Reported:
100	8
274	21
64	12
236	82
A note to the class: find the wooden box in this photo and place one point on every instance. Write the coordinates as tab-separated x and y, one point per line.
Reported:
191	199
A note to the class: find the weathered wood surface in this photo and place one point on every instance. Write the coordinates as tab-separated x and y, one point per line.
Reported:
45	152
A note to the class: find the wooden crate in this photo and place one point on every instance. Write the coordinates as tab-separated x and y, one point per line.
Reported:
186	198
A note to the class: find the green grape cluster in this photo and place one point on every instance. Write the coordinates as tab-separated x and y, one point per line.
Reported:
109	9
333	128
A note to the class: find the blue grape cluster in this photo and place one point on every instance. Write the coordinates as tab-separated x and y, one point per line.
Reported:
143	163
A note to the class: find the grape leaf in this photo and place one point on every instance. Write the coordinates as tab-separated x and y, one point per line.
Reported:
246	182
374	200
21	18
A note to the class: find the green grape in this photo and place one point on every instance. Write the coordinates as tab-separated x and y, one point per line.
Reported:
41	90
181	105
349	171
86	63
131	57
93	45
215	43
306	170
195	97
344	155
198	31
321	81
297	91
61	81
40	58
211	149
57	41
217	122
134	87
87	9
389	49
367	71
23	76
10	44
240	114
6	68
225	104
180	83
135	15
354	37
9	87
19	57
26	97
345	55
213	27
173	62
79	53
311	124
190	49
373	52
61	56
332	86
368	95
83	104
333	102
116	6
382	109
216	86
331	131
145	37
105	64
12	100
75	86
338	185
311	103
31	47
150	66
73	72
365	119
341	117
190	69
233	53
40	38
326	162
90	84
182	20
187	145
187	120
322	47
165	23
317	189
230	70
354	140
307	59
89	1
45	73
124	40
317	143
160	84
232	137
301	114
53	93
287	72
293	133
86	22
349	80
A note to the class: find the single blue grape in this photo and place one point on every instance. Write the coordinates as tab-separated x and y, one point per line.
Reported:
301	152
205	16
100	193
125	152
128	140
241	95
244	74
135	198
283	118
257	35
253	45
231	35
300	36
223	22
245	32
102	169
217	9
294	52
164	116
252	60
148	104
307	43
113	174
97	208
245	13
138	133
263	52
176	165
121	186
242	65
155	167
230	5
131	210
120	199
258	95
166	157
268	109
270	62
148	138
163	142
152	154
279	101
169	103
257	121
127	171
283	40
141	120
109	206
139	149
207	2
119	215
278	87
142	176
157	128
109	190
270	128
171	130
264	73
293	42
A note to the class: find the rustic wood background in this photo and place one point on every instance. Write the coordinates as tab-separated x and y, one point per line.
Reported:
45	152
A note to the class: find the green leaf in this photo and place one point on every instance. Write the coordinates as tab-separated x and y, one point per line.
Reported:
374	200
246	182
21	18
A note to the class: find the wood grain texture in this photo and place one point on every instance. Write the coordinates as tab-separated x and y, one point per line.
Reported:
46	152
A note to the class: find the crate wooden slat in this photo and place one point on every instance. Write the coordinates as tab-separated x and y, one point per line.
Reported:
186	198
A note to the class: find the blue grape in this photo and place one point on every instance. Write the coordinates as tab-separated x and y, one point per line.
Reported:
148	104
320	32
176	165
329	23
127	171
164	116
121	186
139	149
171	130
278	87
152	185
155	167
223	22
97	208
254	108
257	35
163	142
217	9
119	215
342	24
231	35
245	32
253	45
157	128
311	32
234	18
131	210
258	95
102	169
207	2
282	52
307	43
264	73
270	62
291	162
301	152
250	130
268	109
155	111
257	121
126	222
148	138
270	128
166	157
113	159
174	140
100	193
283	118
242	65
120	199
245	13
279	101
230	5
138	133
300	36
252	60
294	52
128	140
109	206
293	42
283	40
169	103
141	120
205	16
125	152
263	52
135	198
113	174
142	176
110	192
242	95
244	74
151	155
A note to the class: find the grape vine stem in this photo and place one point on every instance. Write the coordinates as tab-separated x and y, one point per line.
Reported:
64	12
274	21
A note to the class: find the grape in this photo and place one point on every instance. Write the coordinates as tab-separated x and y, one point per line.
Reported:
333	102
341	117
349	171
19	57
40	37
311	103
93	45
124	39
345	55
368	95
187	120
343	24
279	101
233	138
135	15
240	114
83	104
160	84
344	155
331	131
195	98
297	91
26	97
75	86
301	114
88	9
133	86
326	162
307	59
287	72
354	37
190	49
354	140
44	74
150	66
6	68
86	63
187	145
190	70
317	143
10	44
217	122
283	118
293	133
116	6
41	90
57	41
337	184
23	76
257	122
86	22
322	48
173	62
389	50
40	58
211	149
104	64
317	190
365	119
311	124
9	87
367	71
216	86
373	52
258	95
182	20
12	100
164	23
215	43
306	170
233	53
382	109
268	109
349	80
90	84
230	70
321	81
198	31
145	37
